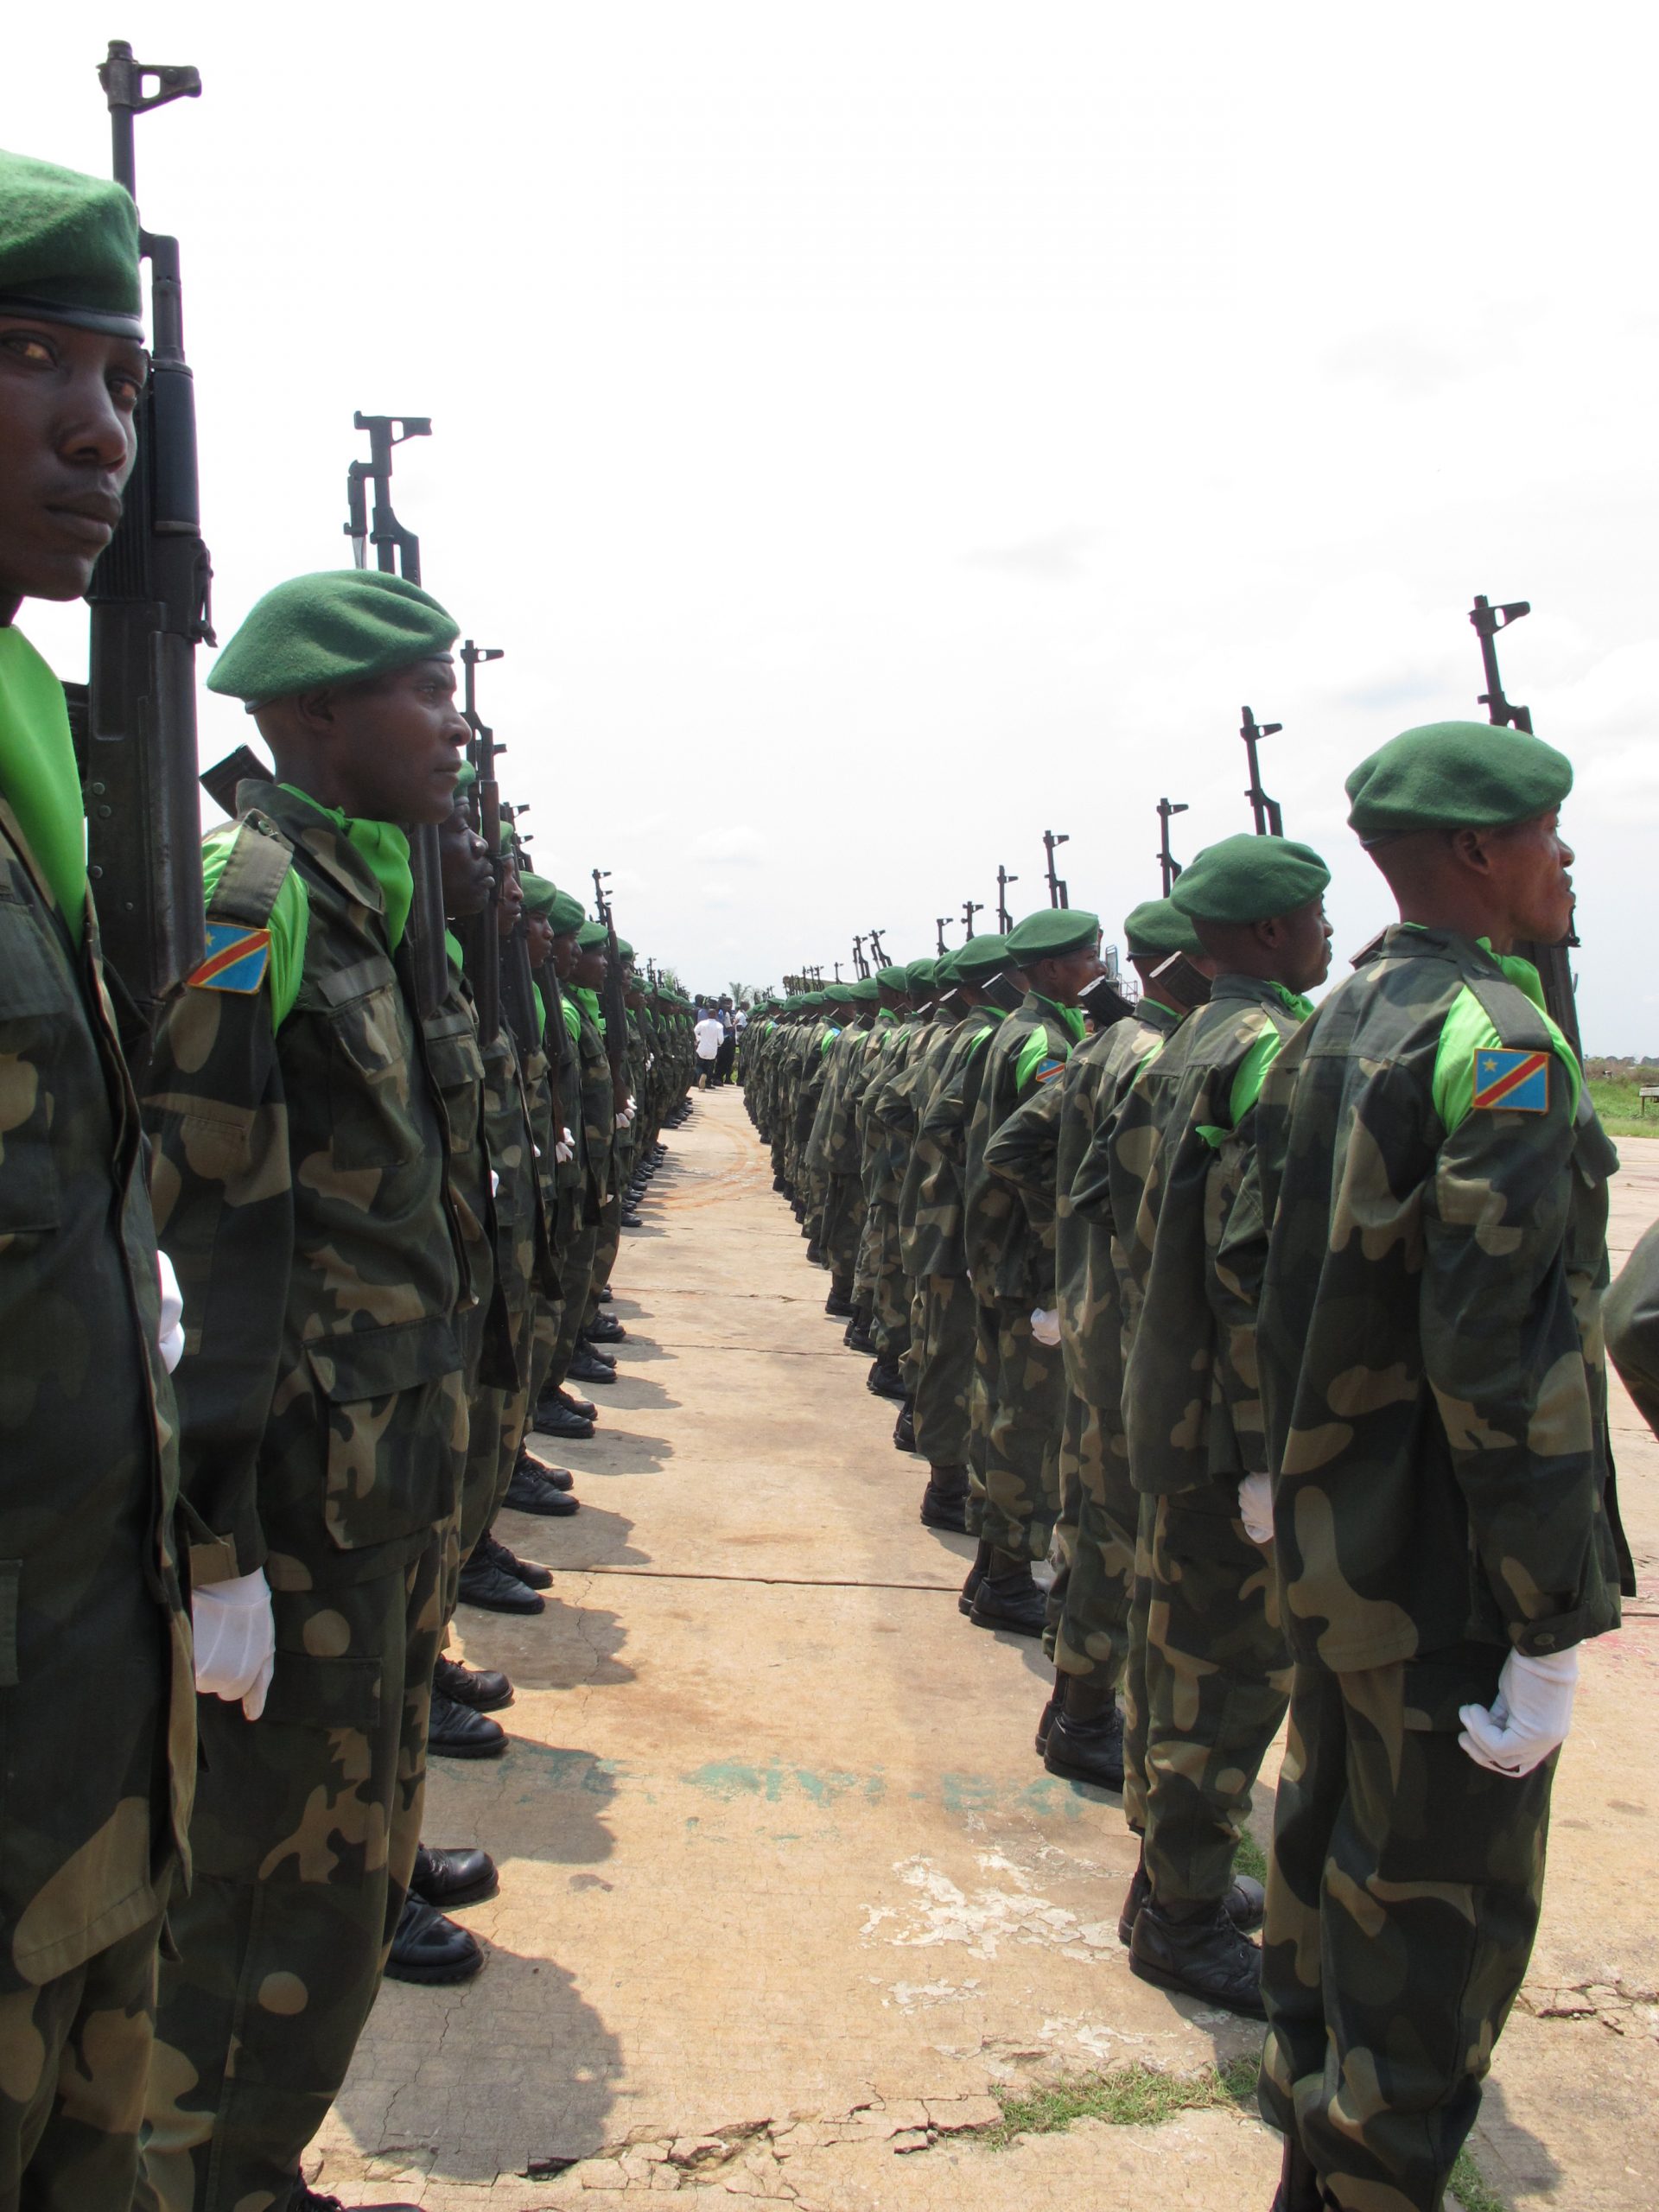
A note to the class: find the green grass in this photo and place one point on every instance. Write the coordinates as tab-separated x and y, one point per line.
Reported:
1470	2190
1251	1859
1620	1110
1129	2096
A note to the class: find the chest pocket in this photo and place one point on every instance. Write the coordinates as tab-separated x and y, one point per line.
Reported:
36	1008
457	1067
371	1113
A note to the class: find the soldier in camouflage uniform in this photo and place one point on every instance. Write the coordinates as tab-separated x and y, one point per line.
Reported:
1207	1676
1040	1149
300	1159
1433	1183
942	1314
830	1151
1019	1404
594	1223
97	1708
881	1174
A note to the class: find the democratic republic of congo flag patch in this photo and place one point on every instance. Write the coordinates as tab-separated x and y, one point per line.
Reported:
237	959
1516	1081
1047	1070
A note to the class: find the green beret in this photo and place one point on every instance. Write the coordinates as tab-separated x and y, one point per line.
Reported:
1156	928
1455	776
892	979
919	974
466	777
1051	931
866	992
540	897
68	248
624	950
593	937
1248	879
566	914
342	625
980	958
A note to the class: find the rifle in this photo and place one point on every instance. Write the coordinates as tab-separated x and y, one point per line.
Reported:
938	923
1167	859
1554	969
397	552
613	1002
220	781
517	996
481	938
1004	918
969	908
860	965
150	598
1269	817
1057	890
878	950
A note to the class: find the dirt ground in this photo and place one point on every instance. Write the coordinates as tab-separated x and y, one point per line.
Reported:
786	1892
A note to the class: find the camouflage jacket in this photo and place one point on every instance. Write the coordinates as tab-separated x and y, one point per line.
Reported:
97	1706
1009	1255
523	1230
597	1099
1039	1150
300	1180
1175	1149
832	1147
932	1204
1429	1295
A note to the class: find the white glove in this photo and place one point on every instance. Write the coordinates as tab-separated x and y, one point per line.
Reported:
170	1336
1527	1720
1045	1324
625	1118
565	1148
1255	1508
236	1640
495	1184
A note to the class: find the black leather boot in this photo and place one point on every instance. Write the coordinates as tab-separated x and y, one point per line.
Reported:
1199	1952
1045	1718
1085	1743
538	1489
885	1379
1007	1597
482	1687
944	1505
904	1429
427	1948
449	1878
588	1366
839	1304
454	1731
1245	1903
975	1575
555	1418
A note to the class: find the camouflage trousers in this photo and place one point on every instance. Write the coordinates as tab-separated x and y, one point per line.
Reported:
74	2059
304	1835
1402	1903
577	1263
1018	1408
888	1287
939	1368
496	1431
1062	1545
1205	1703
607	1245
1088	1611
843	1218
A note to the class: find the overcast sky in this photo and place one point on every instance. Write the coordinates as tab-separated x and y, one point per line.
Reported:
879	433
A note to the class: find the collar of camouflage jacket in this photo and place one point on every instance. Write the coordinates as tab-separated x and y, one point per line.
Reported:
384	850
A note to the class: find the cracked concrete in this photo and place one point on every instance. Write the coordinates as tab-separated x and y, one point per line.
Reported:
785	1893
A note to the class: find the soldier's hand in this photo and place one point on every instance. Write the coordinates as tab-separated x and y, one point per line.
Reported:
1255	1508
1528	1719
170	1334
236	1640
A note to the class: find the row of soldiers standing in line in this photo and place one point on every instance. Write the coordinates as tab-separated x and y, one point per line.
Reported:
260	1459
1286	1323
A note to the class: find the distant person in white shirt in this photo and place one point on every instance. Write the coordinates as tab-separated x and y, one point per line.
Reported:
710	1036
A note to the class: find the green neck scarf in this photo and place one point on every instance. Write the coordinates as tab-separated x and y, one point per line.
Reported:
384	850
588	999
1070	1016
39	777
